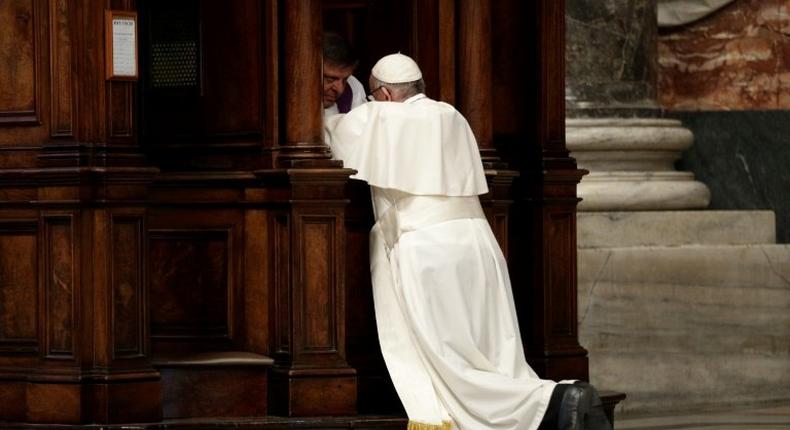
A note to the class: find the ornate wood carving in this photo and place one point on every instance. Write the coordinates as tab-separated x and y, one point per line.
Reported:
19	62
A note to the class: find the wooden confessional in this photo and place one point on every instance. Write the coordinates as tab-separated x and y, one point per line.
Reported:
181	245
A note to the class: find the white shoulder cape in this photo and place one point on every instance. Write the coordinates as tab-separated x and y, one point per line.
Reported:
420	146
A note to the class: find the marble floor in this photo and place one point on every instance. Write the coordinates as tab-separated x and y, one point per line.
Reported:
769	418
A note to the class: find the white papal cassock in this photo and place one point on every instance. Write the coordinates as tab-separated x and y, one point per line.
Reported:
444	306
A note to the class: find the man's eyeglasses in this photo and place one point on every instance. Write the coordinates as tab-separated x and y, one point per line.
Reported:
370	96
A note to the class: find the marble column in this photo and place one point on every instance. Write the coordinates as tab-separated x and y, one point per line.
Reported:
614	126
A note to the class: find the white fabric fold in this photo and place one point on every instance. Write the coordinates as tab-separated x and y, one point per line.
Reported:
445	314
420	146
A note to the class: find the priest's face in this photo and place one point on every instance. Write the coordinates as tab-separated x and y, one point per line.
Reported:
335	78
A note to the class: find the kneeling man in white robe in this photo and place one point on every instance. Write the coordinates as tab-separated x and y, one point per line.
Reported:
444	307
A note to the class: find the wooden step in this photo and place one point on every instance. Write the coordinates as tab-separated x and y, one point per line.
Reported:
360	422
227	384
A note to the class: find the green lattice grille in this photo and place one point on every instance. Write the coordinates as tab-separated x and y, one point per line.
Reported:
174	64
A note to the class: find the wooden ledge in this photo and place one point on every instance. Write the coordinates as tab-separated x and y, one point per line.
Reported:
212	359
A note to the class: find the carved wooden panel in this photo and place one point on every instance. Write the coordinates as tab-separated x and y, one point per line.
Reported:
18	286
258	275
128	295
60	285
563	290
18	62
282	281
120	109
318	253
190	283
62	90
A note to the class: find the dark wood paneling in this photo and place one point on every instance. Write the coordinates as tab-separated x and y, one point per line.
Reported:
60	286
18	62
317	396
282	284
319	285
128	294
474	70
60	53
315	362
446	47
12	397
214	392
258	280
426	32
232	66
18	286
42	398
563	292
508	67
190	283
271	71
529	108
120	110
303	119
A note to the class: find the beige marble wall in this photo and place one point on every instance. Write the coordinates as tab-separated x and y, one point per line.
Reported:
738	58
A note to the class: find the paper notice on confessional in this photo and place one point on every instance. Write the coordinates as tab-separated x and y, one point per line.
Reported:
124	47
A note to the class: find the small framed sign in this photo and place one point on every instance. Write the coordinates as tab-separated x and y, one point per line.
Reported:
120	44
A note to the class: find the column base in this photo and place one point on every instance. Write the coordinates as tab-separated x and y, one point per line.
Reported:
624	191
632	164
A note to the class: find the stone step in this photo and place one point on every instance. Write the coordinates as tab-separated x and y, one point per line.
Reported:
675	228
687	327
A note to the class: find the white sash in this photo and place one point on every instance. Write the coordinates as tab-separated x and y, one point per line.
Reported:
416	212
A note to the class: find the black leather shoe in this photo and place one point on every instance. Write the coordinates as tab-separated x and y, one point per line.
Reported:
582	409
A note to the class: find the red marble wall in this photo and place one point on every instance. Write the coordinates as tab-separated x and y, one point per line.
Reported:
737	58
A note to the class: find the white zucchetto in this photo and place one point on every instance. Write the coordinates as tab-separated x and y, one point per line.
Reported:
396	69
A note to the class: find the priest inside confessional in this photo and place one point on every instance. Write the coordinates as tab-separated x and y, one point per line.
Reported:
339	213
